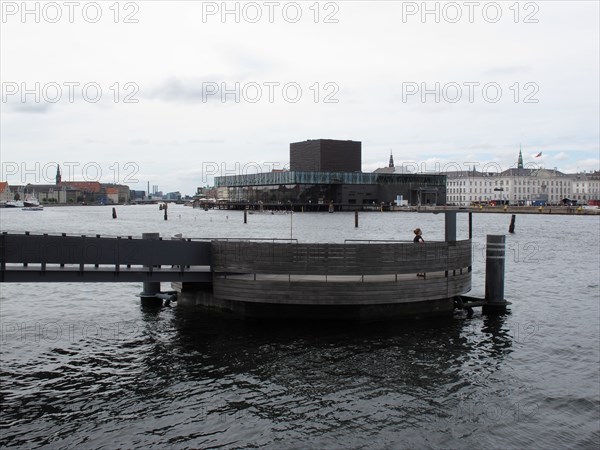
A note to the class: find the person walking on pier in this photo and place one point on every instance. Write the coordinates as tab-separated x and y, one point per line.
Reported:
418	239
418	236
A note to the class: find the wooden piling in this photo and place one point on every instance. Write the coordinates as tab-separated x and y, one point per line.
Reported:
245	216
355	219
114	213
511	228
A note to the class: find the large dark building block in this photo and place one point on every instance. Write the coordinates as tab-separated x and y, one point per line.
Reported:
325	155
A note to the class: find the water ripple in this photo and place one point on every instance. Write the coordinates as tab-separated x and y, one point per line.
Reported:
83	366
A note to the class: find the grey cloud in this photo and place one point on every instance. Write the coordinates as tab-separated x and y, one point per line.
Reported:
30	107
186	90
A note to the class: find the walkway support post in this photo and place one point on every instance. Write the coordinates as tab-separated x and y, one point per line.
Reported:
151	288
450	226
494	275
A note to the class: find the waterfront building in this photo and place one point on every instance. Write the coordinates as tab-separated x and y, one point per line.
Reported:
51	193
222	193
17	192
527	186
173	196
517	186
6	194
466	187
93	191
336	184
512	186
67	192
89	191
137	195
325	155
112	194
115	193
585	187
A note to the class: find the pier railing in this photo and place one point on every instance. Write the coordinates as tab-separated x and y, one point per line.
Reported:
340	259
29	257
341	274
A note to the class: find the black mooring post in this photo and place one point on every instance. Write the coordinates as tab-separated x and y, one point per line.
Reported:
494	275
511	228
114	213
470	225
470	268
245	216
150	288
356	219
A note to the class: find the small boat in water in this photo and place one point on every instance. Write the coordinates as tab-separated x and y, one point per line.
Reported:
31	202
33	208
14	204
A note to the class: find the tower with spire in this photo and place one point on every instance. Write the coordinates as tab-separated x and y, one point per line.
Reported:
391	164
58	176
520	162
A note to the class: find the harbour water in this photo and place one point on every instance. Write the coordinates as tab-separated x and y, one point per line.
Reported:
83	365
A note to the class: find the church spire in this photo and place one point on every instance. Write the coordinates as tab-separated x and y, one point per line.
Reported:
58	176
391	164
520	163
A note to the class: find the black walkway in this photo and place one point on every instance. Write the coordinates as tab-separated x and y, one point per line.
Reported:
51	258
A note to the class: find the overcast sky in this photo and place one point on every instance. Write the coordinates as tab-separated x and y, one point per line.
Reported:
187	92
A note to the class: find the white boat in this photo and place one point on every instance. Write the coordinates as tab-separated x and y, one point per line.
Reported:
14	204
31	201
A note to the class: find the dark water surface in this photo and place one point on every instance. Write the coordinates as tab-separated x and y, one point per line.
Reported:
83	365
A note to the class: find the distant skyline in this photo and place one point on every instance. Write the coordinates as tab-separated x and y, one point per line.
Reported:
175	93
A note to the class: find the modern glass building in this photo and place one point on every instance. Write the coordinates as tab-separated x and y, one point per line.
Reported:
344	188
336	178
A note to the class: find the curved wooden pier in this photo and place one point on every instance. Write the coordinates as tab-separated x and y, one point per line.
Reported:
360	280
351	280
